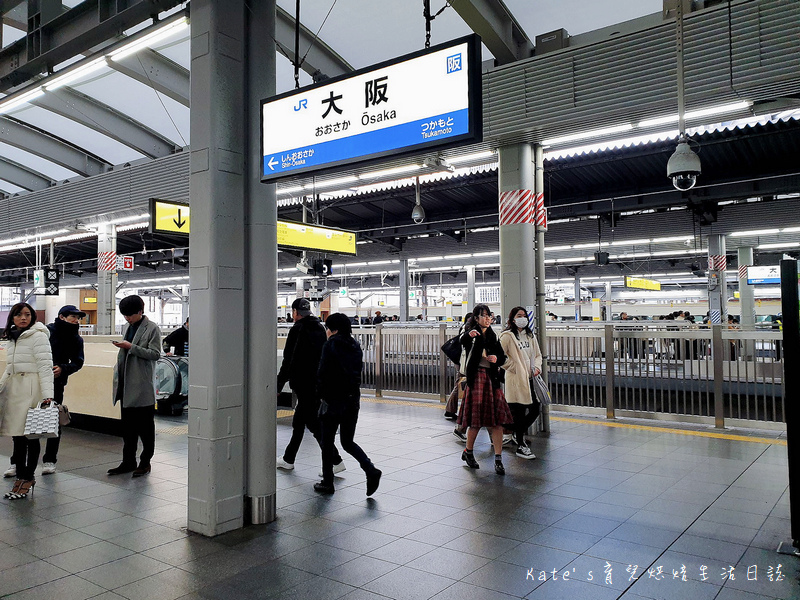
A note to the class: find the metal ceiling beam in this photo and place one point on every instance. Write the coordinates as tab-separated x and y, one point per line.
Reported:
499	30
102	118
71	33
22	176
158	72
36	141
321	61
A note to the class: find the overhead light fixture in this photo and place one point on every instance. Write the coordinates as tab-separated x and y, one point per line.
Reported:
698	114
588	134
290	190
471	157
149	39
331	182
16	101
76	73
390	172
776	246
754	232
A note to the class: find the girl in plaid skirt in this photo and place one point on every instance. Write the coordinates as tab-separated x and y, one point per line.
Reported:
484	404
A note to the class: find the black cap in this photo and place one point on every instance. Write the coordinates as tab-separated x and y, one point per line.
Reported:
71	309
302	306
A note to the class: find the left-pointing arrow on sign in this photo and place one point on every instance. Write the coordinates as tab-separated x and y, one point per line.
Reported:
272	162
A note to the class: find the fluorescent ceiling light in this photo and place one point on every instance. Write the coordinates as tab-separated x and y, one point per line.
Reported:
129	219
430	258
331	182
776	246
791	230
588	134
754	232
487	265
482	229
390	172
592	245
291	190
619	143
76	74
495	253
556	248
133	226
697	114
456	256
471	157
15	101
148	40
632	242
666	240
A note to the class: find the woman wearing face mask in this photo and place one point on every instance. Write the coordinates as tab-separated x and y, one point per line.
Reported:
484	404
524	362
27	381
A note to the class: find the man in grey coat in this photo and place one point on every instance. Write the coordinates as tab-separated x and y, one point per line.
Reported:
133	386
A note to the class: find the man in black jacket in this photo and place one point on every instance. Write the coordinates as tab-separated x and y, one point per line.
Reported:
177	342
67	346
300	363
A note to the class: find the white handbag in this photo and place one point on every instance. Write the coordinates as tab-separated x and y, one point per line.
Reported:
42	421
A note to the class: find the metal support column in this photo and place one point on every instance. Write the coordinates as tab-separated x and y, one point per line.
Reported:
609	307
718	356
223	130
541	312
717	289
577	293
471	287
184	303
106	281
261	215
747	304
517	230
404	289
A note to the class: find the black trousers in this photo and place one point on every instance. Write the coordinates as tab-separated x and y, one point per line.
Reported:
306	416
524	416
346	422
26	456
138	423
52	444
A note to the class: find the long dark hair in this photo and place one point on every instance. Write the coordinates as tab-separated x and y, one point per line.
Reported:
481	309
15	310
512	327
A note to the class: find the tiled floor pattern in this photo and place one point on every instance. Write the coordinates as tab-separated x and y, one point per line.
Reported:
570	525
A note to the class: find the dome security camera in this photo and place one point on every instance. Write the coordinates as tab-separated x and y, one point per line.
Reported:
683	166
418	214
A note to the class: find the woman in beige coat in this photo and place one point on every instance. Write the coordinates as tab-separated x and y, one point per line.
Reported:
524	361
27	381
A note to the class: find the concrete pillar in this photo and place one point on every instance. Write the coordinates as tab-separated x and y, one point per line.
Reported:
470	287
717	290
517	230
543	422
404	289
747	304
609	307
424	298
106	281
577	293
224	254
184	303
261	216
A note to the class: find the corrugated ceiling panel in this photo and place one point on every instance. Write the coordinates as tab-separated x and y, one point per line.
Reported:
120	189
633	77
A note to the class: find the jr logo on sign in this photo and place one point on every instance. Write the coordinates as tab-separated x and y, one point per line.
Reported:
454	63
301	105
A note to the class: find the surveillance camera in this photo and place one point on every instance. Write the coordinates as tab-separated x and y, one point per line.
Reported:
683	166
304	267
418	214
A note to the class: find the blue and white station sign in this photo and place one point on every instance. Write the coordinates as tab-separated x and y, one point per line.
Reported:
427	99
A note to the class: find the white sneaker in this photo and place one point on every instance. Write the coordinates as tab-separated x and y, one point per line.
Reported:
336	469
525	452
48	468
11	471
508	439
282	464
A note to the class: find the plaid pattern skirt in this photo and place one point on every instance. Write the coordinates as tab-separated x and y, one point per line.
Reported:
484	405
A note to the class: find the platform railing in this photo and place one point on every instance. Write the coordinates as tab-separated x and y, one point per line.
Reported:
660	370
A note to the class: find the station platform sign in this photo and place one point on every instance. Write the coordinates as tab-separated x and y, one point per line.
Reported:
642	284
313	237
431	98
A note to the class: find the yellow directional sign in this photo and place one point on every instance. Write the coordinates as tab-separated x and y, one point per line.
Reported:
314	237
642	284
169	217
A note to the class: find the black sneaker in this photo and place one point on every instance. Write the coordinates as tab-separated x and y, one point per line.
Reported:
462	437
451	416
525	452
373	481
499	468
122	468
323	488
469	458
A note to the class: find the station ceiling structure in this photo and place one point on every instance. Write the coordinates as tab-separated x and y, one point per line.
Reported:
82	115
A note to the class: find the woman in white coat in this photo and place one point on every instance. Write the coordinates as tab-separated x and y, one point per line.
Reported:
523	361
27	381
